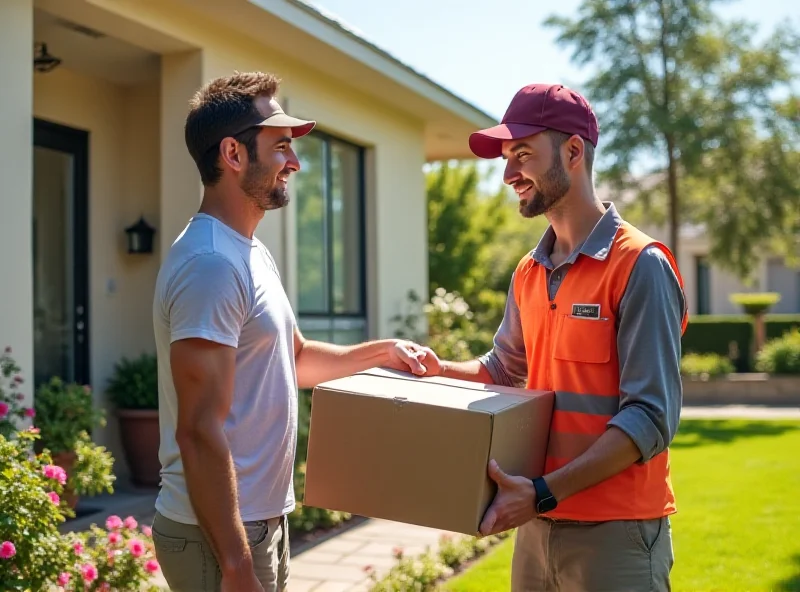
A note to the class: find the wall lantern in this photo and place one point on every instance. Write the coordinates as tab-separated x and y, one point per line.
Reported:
140	237
42	60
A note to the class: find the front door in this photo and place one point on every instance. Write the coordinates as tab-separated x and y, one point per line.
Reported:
60	253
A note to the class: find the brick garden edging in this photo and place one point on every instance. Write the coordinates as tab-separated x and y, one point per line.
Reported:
751	388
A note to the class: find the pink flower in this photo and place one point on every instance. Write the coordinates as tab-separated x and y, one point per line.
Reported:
78	548
7	550
104	587
54	497
30	412
130	522
8	349
147	531
151	566
18	379
136	547
20	396
113	523
55	472
63	579
114	538
34	430
3	409
89	572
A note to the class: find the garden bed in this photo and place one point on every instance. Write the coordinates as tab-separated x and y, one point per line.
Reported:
752	388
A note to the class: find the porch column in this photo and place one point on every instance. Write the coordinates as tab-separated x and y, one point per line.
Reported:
181	190
16	189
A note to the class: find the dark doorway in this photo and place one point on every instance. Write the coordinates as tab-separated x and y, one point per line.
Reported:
60	252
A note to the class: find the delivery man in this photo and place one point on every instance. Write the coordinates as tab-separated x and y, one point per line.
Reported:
595	313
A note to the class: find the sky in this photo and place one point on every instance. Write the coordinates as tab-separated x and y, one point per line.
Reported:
485	50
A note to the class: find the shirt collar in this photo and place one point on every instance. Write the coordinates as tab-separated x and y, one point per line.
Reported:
597	245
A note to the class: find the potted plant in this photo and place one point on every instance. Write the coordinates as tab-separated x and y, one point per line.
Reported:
134	390
65	415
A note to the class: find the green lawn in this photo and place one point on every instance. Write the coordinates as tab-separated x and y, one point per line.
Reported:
738	489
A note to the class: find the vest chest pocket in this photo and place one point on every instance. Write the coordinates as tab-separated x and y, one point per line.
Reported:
587	341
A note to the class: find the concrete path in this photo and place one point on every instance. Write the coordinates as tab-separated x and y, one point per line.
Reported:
740	412
340	564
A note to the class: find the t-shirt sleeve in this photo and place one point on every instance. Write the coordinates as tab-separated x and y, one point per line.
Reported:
207	299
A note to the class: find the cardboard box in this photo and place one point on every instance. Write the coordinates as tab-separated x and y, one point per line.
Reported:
387	444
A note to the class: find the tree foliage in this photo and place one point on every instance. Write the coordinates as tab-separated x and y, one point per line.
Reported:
714	110
475	239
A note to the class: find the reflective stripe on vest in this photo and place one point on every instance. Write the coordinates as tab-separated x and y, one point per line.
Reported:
577	358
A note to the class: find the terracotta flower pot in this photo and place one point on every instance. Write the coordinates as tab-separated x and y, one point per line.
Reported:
66	460
140	440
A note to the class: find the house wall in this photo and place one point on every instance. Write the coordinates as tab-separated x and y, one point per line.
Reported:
396	211
16	163
123	123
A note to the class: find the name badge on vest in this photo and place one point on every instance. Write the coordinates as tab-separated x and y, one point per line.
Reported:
586	311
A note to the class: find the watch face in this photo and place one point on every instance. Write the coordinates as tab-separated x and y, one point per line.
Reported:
547	504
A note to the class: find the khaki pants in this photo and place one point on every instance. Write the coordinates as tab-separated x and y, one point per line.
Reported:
617	556
189	565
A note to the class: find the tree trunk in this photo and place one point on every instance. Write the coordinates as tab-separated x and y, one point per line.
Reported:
674	203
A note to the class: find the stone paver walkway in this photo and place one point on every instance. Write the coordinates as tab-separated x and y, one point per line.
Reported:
340	564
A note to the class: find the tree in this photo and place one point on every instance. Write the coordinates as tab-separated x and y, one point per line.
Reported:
712	109
475	238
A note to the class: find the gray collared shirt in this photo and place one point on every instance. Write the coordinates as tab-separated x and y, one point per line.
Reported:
648	337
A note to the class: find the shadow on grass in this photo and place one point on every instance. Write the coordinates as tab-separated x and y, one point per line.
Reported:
792	583
697	432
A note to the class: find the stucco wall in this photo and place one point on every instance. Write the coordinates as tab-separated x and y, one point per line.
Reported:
123	123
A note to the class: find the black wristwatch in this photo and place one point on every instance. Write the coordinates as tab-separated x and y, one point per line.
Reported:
545	502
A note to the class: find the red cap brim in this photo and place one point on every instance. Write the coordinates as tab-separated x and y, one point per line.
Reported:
488	143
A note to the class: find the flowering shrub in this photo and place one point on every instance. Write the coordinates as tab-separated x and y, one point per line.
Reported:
453	331
121	557
11	408
33	553
424	572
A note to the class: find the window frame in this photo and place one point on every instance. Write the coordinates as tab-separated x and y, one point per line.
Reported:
361	199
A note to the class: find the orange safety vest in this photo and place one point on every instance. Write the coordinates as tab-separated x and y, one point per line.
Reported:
577	358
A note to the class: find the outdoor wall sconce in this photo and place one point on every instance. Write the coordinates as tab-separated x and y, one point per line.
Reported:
43	61
140	237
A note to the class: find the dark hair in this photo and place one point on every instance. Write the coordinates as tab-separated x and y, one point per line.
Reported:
219	109
558	138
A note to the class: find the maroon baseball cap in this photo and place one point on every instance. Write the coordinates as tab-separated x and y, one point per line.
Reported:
535	108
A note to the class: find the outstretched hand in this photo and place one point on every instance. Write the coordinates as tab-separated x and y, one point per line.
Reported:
411	357
513	504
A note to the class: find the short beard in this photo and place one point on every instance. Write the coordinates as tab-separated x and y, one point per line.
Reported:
553	186
266	196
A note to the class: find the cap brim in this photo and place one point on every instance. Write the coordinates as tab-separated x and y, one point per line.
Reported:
299	127
488	143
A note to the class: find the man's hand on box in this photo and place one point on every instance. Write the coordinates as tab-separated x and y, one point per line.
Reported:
513	503
411	357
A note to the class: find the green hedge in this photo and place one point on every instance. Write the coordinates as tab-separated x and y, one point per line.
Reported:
717	333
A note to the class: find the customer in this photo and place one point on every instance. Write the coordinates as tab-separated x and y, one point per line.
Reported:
230	354
595	313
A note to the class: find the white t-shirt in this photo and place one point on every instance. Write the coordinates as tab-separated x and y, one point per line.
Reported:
218	285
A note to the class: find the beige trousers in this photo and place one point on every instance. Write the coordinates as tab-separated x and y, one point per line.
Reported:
189	565
616	556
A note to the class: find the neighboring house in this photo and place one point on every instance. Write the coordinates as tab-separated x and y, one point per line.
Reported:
708	286
93	144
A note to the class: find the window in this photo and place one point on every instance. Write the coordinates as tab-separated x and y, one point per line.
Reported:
331	247
703	285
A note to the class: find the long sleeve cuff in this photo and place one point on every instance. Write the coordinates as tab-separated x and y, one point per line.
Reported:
636	423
